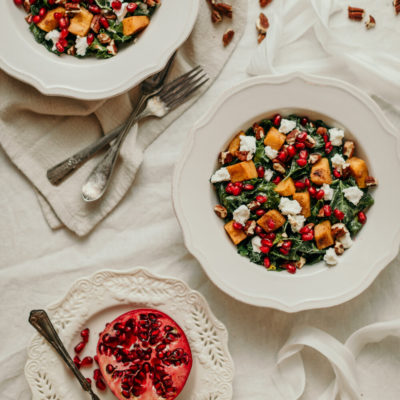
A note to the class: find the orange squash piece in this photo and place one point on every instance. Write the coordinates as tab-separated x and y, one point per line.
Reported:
80	24
134	24
274	139
271	215
236	235
286	187
242	171
359	170
48	23
323	235
303	198
321	172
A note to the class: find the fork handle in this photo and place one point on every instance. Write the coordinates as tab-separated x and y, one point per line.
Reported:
41	322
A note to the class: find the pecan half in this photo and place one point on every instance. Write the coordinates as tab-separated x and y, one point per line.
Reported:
103	38
228	36
355	13
220	211
71	51
225	157
262	23
278	167
259	132
321	213
338	230
291	137
370	181
95	25
370	23
215	16
29	18
339	248
310	142
72	7
27	6
243	155
396	5
264	3
253	205
314	158
224	9
346	171
322	131
112	48
249	228
348	148
300	263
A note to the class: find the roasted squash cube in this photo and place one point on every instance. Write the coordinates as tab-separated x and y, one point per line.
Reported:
234	145
359	170
274	139
236	235
134	24
80	24
321	172
48	23
242	171
303	198
286	187
323	235
272	215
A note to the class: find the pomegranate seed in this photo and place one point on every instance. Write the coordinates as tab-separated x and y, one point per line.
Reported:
104	22
284	251
267	262
36	19
85	335
116	5
77	362
276	120
63	23
80	346
326	138
291	268
96	374
336	174
32	1
307	182
265	249
51	2
271	224
258	230
291	150
262	235
260	212
63	43
88	379
42	12
282	156
277	180
236	191
307	236
300	146
229	188
287	244
303	154
58	16
320	194
86	362
267	242
131	7
261	199
304	229
64	33
96	359
260	171
304	121
338	214
270	236
301	162
18	2
90	38
237	226
362	218
302	136
248	186
100	384
312	191
300	185
60	47
327	210
94	9
239	185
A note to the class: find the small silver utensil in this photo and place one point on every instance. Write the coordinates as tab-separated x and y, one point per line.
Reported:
41	322
169	97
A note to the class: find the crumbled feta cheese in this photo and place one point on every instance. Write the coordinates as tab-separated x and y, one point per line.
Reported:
256	244
338	162
328	192
296	222
336	136
330	257
353	194
54	36
221	175
287	126
248	143
81	45
268	174
121	12
241	214
270	152
288	206
346	240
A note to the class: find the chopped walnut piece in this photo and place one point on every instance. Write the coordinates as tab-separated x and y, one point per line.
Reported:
339	248
348	148
291	137
338	230
215	16
278	167
224	9
355	13
225	157
27	6
396	5
95	25
314	158
228	36
259	132
249	228
370	23
370	181
264	3
103	38
71	51
220	211
112	48
310	142
253	205
262	23
29	18
300	263
243	155
261	37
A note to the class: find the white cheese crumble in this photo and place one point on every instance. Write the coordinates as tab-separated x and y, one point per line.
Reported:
268	174
54	36
270	152
336	136
256	244
296	222
248	143
81	45
221	175
288	206
328	192
121	12
330	257
346	240
338	162
241	214
353	194
287	126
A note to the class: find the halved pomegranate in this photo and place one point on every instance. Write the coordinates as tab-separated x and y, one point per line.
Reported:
144	354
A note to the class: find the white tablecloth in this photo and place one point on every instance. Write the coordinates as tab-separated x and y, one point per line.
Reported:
38	265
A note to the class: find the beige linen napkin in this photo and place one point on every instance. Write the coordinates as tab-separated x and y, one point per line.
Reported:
38	131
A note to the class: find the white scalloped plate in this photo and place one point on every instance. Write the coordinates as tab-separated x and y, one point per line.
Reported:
93	301
90	78
313	286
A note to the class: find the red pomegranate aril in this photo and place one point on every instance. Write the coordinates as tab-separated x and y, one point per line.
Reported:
326	138
302	136
328	144
36	19
270	236
287	244
327	210
90	38
18	2
300	146
32	1
307	182
301	162
87	362
282	156
260	171
338	214
320	194
336	174
291	151
261	199
100	384
271	224
248	186
267	242
304	229
291	268
63	42
258	230
299	185
312	191
42	12
237	226
96	374
64	33
58	16
276	120
277	180
94	9
236	191
306	237
116	5
362	218
265	249
303	154
77	362
63	23
304	121
284	251
267	262
79	347
104	22
260	212
131	7
238	184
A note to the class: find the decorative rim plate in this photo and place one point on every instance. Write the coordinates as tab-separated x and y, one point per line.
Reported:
194	198
90	78
98	299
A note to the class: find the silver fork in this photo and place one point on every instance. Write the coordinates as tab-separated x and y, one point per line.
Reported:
170	96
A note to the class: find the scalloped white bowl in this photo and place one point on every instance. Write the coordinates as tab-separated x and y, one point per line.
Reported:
314	286
89	78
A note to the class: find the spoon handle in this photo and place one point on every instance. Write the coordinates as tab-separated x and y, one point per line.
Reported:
41	322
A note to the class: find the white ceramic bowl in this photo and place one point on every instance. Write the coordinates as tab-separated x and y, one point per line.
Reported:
316	285
89	78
